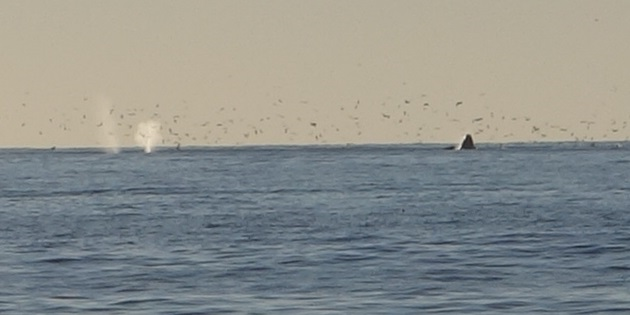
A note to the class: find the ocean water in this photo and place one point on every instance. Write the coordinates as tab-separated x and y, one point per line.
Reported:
396	229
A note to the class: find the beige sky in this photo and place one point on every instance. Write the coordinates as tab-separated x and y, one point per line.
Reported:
86	73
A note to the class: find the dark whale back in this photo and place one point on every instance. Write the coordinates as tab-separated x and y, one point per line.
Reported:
468	143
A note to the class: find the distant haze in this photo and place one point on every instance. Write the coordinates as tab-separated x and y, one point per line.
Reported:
89	73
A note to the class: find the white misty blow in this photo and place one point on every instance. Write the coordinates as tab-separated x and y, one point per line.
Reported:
148	134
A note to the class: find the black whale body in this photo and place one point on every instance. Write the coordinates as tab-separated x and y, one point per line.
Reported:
467	144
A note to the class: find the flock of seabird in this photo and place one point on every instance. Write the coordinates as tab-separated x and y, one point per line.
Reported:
416	119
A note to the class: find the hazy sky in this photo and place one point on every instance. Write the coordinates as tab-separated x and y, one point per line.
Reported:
86	73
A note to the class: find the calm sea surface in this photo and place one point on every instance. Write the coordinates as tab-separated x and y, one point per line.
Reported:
402	229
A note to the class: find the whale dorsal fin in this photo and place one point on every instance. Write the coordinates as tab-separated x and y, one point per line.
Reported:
468	143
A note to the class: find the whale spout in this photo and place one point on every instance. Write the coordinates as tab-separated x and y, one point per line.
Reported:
467	144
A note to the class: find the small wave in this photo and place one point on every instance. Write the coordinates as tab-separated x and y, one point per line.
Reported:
456	275
131	289
507	305
594	249
618	268
352	257
291	191
30	194
349	238
145	191
58	260
129	302
68	297
292	261
211	225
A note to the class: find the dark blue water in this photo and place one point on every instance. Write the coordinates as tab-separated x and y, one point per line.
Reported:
407	229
